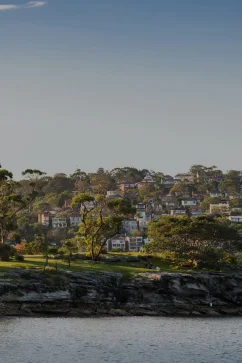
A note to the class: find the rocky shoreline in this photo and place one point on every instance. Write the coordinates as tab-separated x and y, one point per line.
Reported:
88	294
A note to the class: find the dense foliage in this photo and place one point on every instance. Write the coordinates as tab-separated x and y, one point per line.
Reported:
201	240
196	239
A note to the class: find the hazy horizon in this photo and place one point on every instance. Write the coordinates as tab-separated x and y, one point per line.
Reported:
151	84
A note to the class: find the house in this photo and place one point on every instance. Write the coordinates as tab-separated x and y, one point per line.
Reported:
132	244
157	215
235	219
198	195
140	207
167	180
135	244
169	201
144	220
143	217
146	241
216	195
118	242
221	208
88	205
189	203
184	177
178	212
75	219
59	222
44	219
148	180
196	212
113	194
130	226
131	194
127	186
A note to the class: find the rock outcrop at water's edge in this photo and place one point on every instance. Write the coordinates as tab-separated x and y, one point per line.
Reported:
89	294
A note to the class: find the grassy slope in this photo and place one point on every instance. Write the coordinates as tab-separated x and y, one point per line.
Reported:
126	268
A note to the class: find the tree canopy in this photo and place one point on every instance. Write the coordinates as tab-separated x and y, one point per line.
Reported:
101	221
193	239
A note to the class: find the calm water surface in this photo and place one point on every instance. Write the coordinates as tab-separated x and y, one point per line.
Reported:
120	340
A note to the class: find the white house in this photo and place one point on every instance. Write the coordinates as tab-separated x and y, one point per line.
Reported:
189	203
59	222
75	220
235	219
178	212
88	205
216	194
143	218
135	244
118	242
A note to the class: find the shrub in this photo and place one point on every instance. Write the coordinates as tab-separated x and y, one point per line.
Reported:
53	250
19	258
117	250
104	251
21	248
6	252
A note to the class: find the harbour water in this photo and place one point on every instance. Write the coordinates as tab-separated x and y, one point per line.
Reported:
121	340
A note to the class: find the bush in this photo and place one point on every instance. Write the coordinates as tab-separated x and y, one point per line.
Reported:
21	248
6	252
19	258
53	250
117	250
104	251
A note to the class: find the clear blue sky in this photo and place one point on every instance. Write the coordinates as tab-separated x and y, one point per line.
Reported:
105	83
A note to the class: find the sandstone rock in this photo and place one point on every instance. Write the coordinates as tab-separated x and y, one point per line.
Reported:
105	293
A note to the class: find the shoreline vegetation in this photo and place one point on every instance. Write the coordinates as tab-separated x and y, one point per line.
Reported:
121	242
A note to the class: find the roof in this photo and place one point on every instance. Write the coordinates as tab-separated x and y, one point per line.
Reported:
75	214
127	182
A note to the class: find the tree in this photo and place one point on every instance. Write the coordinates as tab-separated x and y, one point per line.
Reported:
147	193
235	203
12	202
78	175
101	221
179	188
102	181
69	246
129	173
59	183
231	186
204	172
198	239
42	246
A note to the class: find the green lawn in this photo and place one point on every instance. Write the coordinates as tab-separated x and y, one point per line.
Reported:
126	268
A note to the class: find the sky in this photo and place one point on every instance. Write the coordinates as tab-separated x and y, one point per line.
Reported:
153	84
